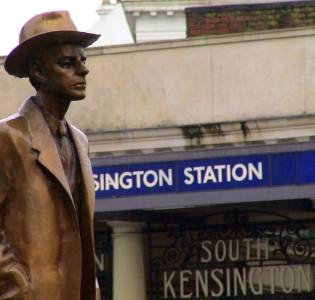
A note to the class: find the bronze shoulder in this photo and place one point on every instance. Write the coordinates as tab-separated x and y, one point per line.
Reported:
80	135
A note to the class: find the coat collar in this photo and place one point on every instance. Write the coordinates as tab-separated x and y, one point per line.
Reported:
43	143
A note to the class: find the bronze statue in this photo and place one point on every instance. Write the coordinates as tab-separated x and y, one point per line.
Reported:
46	185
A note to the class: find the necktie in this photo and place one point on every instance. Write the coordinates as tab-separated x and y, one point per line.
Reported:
68	160
65	151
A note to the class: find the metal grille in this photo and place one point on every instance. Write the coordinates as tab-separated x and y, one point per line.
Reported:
228	256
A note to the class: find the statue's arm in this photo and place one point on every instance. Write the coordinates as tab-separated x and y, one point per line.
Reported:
14	281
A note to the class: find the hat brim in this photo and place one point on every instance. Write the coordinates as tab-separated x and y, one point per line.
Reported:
16	62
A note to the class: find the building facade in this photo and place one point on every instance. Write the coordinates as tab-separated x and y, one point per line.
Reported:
139	21
204	157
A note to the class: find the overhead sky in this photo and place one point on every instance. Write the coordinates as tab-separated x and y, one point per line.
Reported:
14	13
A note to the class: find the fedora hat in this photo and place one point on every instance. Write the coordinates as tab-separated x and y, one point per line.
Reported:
41	31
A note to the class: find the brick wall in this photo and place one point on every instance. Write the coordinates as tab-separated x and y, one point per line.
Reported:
251	17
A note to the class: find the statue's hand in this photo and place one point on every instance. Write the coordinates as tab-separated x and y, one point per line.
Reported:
13	278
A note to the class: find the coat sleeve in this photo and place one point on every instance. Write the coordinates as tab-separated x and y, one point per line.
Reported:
98	290
14	281
4	172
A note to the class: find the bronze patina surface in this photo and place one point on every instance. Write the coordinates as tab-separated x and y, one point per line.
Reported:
46	184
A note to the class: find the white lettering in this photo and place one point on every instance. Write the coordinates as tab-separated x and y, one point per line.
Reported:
272	278
286	279
138	178
257	280
304	279
154	178
217	280
198	171
220	251
228	173
168	286
100	261
102	182
209	175
109	181
234	256
125	184
207	250
183	278
248	242
167	178
189	177
202	281
239	281
257	171
219	169
239	172
262	245
228	282
236	281
96	183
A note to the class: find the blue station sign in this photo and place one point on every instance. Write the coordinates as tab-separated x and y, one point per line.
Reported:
213	174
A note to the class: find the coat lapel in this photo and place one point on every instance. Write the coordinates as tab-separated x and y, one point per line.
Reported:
86	171
42	141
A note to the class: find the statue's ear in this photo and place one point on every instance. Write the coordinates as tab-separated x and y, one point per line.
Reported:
36	71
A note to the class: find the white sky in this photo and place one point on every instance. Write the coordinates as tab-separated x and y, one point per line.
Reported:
14	13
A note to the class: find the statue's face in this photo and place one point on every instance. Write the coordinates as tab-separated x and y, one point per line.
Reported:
63	72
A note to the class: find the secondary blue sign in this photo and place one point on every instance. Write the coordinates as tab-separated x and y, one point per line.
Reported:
237	172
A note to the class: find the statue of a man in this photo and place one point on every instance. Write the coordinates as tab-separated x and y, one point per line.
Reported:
46	185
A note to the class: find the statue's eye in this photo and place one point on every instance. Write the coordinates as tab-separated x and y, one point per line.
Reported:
66	64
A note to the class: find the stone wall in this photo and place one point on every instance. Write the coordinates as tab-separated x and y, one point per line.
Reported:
249	17
200	81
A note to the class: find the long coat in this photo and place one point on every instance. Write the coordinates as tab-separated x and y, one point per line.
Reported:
41	257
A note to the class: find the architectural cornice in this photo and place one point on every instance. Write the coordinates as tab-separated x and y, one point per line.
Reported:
272	131
200	41
203	41
166	5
